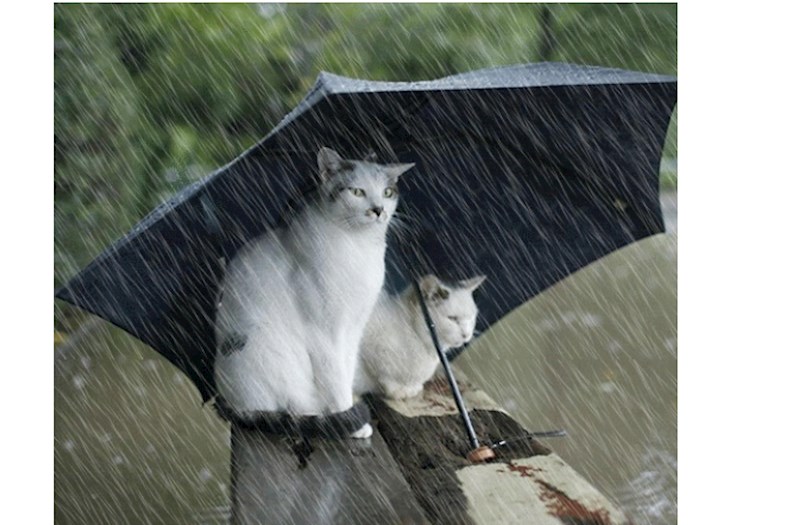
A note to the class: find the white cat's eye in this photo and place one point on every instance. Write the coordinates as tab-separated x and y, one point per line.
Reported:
358	192
390	192
454	319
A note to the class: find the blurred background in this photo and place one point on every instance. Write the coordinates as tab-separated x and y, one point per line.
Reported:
151	97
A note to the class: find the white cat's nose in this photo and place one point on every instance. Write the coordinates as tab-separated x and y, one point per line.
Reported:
375	210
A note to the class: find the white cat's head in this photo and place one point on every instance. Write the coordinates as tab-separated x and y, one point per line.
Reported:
452	308
358	194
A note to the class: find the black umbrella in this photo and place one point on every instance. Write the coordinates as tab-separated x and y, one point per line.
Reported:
524	173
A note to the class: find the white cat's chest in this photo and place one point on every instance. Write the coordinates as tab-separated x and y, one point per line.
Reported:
344	267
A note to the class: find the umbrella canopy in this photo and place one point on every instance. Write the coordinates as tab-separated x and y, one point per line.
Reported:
524	173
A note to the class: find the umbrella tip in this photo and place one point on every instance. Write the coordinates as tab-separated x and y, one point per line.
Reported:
481	454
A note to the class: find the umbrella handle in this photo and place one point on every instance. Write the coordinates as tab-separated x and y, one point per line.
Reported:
478	453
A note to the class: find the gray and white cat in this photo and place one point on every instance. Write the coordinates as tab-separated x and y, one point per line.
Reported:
296	300
397	355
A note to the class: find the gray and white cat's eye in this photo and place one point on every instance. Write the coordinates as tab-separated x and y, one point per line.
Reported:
453	318
390	192
358	192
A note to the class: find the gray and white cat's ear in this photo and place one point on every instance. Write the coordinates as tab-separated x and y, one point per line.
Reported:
433	289
472	284
329	163
395	170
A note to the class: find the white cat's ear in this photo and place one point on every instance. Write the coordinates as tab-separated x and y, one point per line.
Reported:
328	162
471	284
433	289
395	170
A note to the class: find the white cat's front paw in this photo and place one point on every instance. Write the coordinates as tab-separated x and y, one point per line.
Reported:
363	432
404	392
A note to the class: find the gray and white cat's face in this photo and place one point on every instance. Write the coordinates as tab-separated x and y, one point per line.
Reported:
358	194
452	308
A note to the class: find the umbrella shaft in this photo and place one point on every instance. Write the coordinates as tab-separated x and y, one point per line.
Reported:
448	372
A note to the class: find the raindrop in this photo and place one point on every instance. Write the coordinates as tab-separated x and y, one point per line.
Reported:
79	382
591	320
510	405
608	387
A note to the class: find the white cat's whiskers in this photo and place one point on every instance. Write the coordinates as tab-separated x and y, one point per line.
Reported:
400	227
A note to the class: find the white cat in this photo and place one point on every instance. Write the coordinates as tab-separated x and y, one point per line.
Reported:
295	300
397	354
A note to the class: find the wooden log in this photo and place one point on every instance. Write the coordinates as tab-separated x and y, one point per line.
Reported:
413	470
318	481
525	483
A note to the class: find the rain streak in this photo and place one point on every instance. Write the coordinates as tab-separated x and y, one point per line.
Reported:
544	144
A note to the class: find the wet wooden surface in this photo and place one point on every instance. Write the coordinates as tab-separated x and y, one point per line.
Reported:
413	470
274	480
525	483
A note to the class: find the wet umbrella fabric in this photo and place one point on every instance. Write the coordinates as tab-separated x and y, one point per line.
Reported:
524	173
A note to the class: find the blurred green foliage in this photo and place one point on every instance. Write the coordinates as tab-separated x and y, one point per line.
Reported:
149	97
